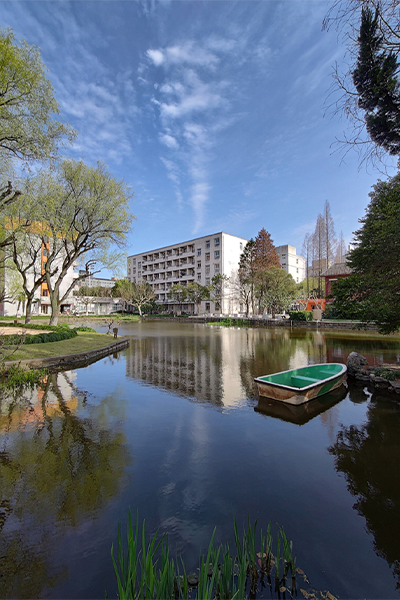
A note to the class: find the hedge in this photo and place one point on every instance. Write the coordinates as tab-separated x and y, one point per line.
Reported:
300	315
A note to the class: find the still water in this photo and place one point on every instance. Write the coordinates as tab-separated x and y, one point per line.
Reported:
169	428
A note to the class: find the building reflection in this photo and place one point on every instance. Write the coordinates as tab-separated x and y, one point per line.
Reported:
217	365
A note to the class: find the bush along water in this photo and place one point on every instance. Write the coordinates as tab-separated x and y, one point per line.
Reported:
17	378
257	568
300	315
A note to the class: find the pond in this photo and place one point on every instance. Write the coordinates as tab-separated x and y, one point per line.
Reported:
169	428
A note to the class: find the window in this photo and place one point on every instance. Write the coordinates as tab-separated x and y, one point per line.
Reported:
207	256
207	269
207	306
140	273
198	251
198	276
216	268
297	270
45	292
134	261
207	281
44	309
199	264
297	261
241	245
207	243
133	271
129	271
139	265
216	254
216	241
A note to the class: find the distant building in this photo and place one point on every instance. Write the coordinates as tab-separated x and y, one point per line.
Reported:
335	272
319	266
293	264
91	281
196	260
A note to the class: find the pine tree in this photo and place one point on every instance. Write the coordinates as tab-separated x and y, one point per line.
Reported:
376	81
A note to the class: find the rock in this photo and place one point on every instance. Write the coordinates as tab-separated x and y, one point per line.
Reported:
192	579
355	364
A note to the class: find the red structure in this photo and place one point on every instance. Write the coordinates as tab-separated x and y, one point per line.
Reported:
335	272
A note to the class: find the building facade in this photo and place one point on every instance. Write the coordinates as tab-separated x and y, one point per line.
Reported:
293	264
194	261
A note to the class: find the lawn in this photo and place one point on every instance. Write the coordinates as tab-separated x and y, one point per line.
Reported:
84	342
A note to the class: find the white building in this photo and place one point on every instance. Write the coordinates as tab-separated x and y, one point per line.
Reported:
293	264
197	260
91	281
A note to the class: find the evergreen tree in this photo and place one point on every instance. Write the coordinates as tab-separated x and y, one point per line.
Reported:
376	81
374	286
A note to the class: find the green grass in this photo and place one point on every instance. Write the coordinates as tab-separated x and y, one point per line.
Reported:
84	342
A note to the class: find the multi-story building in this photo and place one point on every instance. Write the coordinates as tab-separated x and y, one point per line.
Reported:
293	264
197	260
91	281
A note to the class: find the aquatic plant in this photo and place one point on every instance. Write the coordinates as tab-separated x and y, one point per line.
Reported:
146	571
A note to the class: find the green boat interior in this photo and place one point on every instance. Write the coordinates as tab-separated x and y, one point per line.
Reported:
300	378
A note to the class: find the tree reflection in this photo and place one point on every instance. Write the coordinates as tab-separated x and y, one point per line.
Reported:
61	461
369	456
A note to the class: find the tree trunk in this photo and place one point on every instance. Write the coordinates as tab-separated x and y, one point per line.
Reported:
28	312
55	309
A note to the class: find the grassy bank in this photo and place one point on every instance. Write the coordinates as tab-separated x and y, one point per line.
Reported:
84	342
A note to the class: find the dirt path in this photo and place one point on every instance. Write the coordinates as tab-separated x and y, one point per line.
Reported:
18	330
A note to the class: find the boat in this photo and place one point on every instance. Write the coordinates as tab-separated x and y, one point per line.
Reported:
297	386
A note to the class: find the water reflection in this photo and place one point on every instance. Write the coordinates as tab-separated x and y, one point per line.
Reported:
218	365
61	461
302	413
369	455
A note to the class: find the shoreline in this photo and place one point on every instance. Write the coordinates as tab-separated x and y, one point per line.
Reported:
66	361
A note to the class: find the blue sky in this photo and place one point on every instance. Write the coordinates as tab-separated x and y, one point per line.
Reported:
213	112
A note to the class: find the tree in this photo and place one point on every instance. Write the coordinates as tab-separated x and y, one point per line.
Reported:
246	273
330	240
265	255
142	294
374	286
319	242
136	294
279	289
369	89
77	214
340	254
179	293
196	293
217	288
28	130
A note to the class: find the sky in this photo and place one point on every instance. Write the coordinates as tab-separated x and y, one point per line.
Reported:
216	113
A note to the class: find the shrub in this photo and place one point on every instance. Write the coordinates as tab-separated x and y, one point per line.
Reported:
300	315
18	377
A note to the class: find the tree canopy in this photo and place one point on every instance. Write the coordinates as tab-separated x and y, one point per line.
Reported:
78	213
28	129
367	91
374	286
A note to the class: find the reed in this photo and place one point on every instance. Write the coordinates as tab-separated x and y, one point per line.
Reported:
145	570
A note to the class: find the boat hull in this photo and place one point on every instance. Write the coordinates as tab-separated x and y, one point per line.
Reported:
300	395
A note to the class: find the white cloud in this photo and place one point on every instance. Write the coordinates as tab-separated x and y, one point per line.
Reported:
169	141
156	56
